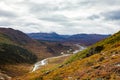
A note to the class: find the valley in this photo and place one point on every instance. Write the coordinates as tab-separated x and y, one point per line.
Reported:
59	39
99	61
46	61
25	58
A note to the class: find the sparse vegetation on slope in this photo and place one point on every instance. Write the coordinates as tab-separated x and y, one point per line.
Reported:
103	66
53	64
100	61
103	45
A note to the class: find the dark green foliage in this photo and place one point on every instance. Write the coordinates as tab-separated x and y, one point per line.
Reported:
14	54
94	50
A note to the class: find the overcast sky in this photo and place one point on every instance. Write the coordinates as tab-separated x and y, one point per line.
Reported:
61	16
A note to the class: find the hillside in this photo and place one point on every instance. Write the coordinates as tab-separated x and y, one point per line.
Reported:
85	39
100	61
13	57
12	54
41	49
16	48
11	51
16	36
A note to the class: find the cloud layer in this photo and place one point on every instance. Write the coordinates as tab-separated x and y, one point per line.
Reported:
61	16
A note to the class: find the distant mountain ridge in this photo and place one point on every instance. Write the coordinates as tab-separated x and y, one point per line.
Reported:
48	36
87	39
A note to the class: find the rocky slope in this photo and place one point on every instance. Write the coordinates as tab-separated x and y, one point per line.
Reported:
100	61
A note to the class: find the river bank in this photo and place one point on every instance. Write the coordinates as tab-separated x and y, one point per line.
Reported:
45	61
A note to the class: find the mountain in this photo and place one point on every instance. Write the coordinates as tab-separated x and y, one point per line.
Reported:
86	39
13	56
11	51
18	51
100	61
41	49
16	36
47	36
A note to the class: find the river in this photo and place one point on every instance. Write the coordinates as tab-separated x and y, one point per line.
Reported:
45	61
80	48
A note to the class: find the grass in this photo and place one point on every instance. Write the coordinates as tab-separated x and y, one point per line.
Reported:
98	62
94	67
5	39
53	64
105	45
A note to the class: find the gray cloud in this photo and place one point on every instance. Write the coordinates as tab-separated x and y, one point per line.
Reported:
55	18
30	24
112	15
4	13
52	6
61	20
93	17
5	23
35	7
62	16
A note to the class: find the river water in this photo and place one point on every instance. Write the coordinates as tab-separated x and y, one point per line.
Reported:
45	61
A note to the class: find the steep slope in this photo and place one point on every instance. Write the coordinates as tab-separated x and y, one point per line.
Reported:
100	61
18	52
13	57
11	36
12	54
11	51
16	36
14	60
41	49
103	45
